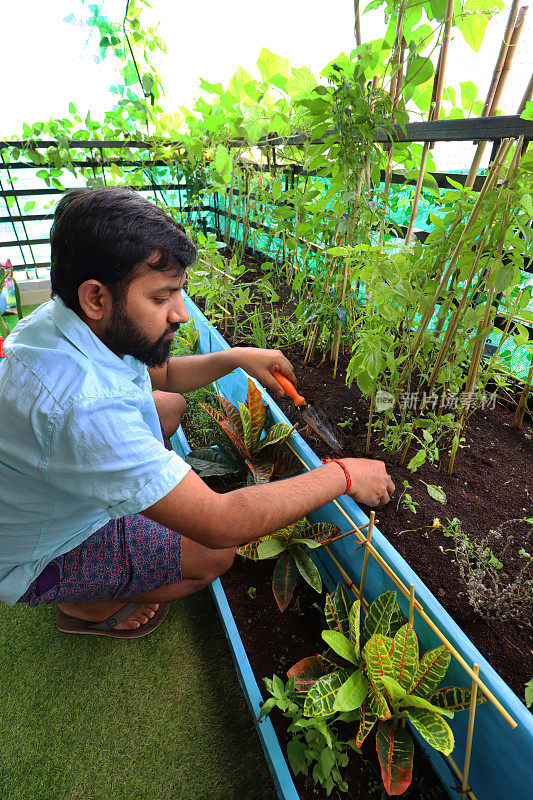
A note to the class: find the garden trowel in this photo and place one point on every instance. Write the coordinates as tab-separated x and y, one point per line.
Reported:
314	417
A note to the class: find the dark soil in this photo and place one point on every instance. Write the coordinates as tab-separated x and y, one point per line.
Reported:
275	641
492	482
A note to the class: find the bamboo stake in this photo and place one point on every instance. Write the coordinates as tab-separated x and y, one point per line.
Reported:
434	112
460	776
528	94
521	407
501	71
510	318
396	50
357	23
406	593
491	179
470	734
365	558
338	332
411	603
478	347
370	413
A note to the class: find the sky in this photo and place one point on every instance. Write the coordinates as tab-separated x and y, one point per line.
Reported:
52	62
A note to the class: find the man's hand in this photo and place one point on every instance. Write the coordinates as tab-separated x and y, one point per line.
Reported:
371	484
261	363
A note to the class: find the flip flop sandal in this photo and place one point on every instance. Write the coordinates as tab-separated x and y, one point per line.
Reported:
67	624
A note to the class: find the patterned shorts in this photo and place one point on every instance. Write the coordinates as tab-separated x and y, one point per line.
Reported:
127	557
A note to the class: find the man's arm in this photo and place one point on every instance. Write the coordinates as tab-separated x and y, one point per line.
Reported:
186	373
233	519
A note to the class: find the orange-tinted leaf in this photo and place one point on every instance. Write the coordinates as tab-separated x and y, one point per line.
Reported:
261	470
307	671
258	411
395	752
232	413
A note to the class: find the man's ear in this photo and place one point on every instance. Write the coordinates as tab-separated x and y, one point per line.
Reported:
95	299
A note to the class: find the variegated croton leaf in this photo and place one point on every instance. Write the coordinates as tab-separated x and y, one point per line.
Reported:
395	752
454	698
257	411
320	698
308	670
337	609
284	580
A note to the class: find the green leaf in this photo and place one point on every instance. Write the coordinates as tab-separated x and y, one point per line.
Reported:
268	548
246	425
393	689
284	580
529	693
417	460
473	30
341	645
405	655
395	752
277	433
378	616
454	698
469	93
420	70
412	700
433	728
430	671
435	492
223	163
296	750
354	624
320	698
326	760
337	610
270	64
377	654
307	569
352	692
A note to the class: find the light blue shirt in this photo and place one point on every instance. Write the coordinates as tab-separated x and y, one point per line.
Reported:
80	442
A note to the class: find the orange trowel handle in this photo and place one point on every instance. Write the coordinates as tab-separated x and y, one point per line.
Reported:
289	387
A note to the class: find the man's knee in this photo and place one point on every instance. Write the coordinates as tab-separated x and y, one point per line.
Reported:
218	563
170	408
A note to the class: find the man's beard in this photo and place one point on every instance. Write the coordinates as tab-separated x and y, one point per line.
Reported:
125	338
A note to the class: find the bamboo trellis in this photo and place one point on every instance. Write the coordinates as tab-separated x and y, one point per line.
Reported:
414	605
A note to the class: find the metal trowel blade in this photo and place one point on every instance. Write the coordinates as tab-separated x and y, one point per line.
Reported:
322	425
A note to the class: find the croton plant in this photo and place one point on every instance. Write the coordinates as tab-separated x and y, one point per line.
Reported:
381	675
290	544
243	448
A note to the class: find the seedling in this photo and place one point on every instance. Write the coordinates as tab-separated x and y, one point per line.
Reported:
406	500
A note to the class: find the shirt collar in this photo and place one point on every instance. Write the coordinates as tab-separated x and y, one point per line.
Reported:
81	336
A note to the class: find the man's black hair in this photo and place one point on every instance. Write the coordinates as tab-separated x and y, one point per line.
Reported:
105	234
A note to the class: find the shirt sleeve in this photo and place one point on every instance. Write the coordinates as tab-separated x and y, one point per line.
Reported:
101	450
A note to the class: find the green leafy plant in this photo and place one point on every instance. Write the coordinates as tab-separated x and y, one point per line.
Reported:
242	427
289	545
382	676
186	340
406	500
529	693
315	745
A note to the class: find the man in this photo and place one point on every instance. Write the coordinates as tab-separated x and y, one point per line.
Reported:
98	515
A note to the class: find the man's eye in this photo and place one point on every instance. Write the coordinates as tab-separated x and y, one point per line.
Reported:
160	300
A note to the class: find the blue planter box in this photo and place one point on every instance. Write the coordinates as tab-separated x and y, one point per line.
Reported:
501	762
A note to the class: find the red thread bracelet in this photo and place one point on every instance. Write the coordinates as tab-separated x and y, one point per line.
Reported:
345	470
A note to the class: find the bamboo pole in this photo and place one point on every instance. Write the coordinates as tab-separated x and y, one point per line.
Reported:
411	603
357	23
460	776
501	71
521	407
370	413
365	558
510	318
491	179
469	736
528	94
434	112
406	593
478	347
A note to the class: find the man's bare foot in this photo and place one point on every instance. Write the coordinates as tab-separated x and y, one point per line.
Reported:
102	609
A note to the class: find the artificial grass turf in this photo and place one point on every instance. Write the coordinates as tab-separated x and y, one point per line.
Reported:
93	718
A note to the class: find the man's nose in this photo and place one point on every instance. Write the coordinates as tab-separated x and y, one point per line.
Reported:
178	312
